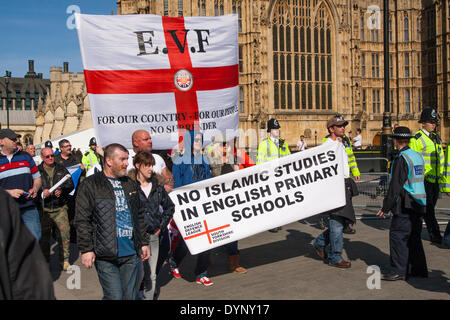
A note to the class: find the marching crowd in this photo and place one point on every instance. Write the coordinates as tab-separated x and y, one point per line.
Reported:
119	212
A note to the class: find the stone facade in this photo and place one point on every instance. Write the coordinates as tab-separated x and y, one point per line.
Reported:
67	108
301	61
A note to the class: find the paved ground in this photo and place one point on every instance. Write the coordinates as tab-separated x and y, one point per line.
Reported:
283	266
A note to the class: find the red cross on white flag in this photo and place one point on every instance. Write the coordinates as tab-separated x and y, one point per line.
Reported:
161	74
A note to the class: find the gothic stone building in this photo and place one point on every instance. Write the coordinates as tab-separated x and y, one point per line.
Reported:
67	107
301	61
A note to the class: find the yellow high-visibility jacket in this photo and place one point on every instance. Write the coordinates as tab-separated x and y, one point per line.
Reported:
445	187
89	159
268	150
431	149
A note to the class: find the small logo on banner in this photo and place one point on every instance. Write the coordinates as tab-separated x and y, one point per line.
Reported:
418	170
207	232
183	80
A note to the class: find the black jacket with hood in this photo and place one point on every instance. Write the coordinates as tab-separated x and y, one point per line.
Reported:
158	207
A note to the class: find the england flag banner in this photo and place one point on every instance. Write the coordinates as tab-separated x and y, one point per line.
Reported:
165	75
214	212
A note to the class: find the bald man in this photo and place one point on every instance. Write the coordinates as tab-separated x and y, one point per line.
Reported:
142	141
31	150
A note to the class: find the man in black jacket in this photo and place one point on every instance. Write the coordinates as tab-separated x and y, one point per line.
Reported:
110	226
23	273
54	209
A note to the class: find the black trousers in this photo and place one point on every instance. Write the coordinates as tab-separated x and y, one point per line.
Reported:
405	243
201	268
432	192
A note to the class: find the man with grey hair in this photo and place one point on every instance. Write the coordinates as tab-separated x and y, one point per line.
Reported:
31	149
117	241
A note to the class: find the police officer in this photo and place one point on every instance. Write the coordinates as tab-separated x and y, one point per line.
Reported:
91	157
427	142
353	169
272	147
406	198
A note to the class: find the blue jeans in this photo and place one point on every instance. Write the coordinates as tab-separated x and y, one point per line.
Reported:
118	278
332	236
30	216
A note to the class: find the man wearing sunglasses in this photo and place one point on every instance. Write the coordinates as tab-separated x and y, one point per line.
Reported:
55	206
20	177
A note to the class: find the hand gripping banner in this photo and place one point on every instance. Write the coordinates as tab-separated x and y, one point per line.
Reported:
237	205
162	74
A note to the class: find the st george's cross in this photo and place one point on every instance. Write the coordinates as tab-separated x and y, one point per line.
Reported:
162	74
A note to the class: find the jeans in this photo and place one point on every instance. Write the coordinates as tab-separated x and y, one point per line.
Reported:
332	236
232	248
30	217
159	249
118	278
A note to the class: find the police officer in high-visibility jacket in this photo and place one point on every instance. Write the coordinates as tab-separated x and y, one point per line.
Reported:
445	187
427	142
353	169
272	147
406	199
91	157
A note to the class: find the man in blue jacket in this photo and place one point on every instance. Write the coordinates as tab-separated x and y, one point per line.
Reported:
192	166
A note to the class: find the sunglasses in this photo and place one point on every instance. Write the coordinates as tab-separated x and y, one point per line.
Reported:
67	145
49	156
197	140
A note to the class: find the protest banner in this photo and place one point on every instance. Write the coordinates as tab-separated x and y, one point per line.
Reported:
162	74
234	206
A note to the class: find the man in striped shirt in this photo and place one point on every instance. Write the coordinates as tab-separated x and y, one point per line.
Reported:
20	177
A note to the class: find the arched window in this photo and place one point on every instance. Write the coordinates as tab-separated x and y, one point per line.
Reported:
27	140
302	56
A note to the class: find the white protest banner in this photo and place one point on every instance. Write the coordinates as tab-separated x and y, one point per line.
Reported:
230	207
162	74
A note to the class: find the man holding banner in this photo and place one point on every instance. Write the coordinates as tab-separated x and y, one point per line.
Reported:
333	236
54	209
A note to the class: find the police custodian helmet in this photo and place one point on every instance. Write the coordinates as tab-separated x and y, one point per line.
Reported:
92	142
429	115
272	124
48	144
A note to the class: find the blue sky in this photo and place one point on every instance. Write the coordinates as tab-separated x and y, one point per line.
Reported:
37	30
